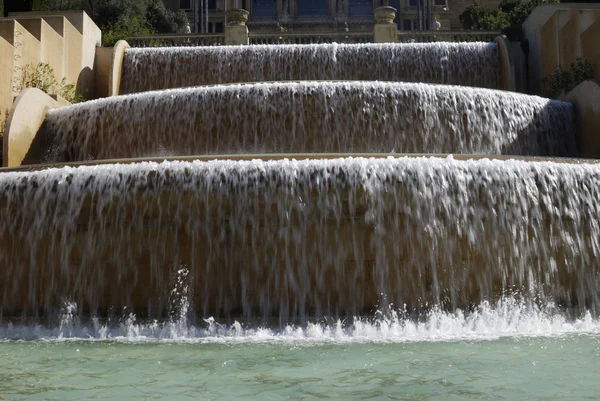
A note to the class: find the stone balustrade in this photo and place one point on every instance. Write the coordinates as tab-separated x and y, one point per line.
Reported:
307	39
236	33
177	40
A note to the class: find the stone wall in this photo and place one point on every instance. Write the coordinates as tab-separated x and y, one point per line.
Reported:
65	40
559	33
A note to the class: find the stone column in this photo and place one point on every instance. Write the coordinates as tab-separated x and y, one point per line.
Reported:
507	67
236	31
585	99
386	30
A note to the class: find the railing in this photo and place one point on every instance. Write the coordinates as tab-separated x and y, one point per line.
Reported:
446	36
309	38
177	40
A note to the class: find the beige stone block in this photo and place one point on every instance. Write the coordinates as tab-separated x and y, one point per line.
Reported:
26	118
236	35
541	32
80	42
549	47
102	70
108	69
507	67
586	99
6	64
26	50
587	18
385	33
51	42
92	38
73	52
568	38
590	46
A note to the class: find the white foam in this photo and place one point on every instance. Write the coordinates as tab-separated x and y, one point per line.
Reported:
312	117
470	64
508	317
414	229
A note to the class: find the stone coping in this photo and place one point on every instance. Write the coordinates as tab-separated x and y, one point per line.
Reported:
297	156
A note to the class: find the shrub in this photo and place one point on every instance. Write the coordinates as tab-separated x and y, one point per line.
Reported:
3	121
42	76
508	18
562	81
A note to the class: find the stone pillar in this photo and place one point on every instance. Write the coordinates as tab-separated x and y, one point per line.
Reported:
236	31
587	107
507	67
386	30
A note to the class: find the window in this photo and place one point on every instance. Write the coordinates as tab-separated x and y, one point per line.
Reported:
412	3
361	8
212	4
407	25
440	3
185	4
313	8
219	27
264	8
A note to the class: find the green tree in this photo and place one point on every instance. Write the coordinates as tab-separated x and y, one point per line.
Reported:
563	81
508	18
477	17
120	19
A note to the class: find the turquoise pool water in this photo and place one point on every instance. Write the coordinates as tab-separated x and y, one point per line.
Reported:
509	353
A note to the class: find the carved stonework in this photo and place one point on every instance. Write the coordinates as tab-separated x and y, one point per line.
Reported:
385	15
237	17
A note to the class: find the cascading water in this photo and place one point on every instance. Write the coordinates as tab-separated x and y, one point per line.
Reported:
416	257
470	64
300	239
311	117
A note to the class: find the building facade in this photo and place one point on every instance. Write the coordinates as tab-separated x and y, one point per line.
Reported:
208	16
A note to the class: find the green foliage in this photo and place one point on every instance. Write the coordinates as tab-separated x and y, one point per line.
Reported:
39	76
508	18
124	28
42	76
3	121
478	17
562	81
119	19
163	20
57	5
69	92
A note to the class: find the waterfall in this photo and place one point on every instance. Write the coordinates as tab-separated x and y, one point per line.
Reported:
470	64
295	239
311	117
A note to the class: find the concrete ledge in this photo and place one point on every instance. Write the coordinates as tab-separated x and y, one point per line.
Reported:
507	65
114	79
108	67
25	119
586	99
295	156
